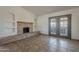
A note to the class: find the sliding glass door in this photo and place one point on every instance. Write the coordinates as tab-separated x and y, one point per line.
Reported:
60	26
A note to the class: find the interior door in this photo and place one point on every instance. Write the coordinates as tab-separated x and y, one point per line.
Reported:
60	26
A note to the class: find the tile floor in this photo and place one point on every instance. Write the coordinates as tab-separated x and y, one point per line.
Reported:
42	43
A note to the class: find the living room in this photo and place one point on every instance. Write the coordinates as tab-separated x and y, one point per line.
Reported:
50	26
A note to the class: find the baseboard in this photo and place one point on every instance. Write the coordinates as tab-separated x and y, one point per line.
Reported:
74	39
44	34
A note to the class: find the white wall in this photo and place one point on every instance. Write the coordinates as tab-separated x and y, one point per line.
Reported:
43	21
20	15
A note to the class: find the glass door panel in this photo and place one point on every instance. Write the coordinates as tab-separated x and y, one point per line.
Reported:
63	26
53	26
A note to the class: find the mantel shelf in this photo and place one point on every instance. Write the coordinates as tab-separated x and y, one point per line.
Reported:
25	22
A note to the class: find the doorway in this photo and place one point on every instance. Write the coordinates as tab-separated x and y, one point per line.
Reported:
60	26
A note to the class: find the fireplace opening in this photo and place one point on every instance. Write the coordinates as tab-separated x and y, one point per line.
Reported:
26	30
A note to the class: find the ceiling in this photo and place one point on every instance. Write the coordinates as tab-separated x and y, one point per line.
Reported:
41	10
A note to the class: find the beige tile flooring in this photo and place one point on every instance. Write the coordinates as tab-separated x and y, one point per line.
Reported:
42	43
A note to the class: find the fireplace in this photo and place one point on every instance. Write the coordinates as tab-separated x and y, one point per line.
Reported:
24	27
26	30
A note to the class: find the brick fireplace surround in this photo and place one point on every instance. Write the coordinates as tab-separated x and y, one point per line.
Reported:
22	25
